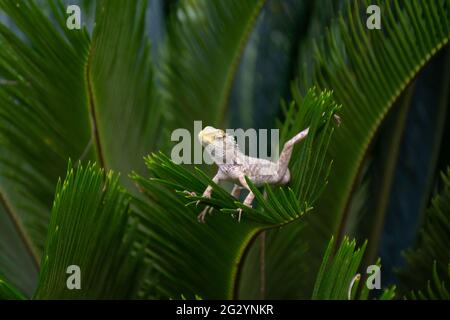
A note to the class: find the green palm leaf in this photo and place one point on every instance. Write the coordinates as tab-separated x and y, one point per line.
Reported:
436	289
30	106
89	208
172	230
372	87
8	292
430	257
368	70
187	257
276	256
122	98
207	36
338	278
16	262
83	105
67	94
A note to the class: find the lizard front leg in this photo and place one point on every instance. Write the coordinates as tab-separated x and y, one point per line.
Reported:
236	192
248	202
207	194
248	199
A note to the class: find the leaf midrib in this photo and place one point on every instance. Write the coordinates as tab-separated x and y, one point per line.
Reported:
92	109
20	231
344	207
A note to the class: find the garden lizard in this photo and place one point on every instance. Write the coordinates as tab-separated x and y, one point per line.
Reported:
233	165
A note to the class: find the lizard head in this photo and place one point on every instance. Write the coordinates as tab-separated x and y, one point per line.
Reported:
210	135
219	145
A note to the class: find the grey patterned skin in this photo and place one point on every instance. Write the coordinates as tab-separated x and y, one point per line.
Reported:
233	165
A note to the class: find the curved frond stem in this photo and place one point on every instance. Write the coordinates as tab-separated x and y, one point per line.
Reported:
20	231
92	111
369	70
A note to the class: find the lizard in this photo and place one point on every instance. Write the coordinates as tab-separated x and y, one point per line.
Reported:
233	165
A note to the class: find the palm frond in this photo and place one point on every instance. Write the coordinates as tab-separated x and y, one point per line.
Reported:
90	207
436	288
207	36
275	256
36	134
94	97
335	275
16	262
31	107
288	241
8	292
122	98
368	70
268	63
188	257
172	207
338	278
309	168
83	105
430	256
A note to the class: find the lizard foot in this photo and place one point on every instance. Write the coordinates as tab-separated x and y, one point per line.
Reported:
202	215
248	203
190	193
206	195
239	214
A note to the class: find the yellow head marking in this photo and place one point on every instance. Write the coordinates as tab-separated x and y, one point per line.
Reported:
209	135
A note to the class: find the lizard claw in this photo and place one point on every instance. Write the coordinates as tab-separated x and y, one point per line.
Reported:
190	193
240	210
337	119
239	214
202	215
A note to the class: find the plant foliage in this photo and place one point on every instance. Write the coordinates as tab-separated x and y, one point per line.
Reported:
90	207
182	237
106	99
368	70
430	258
338	278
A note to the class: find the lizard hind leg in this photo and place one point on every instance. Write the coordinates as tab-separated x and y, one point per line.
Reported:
249	199
236	192
201	216
248	202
